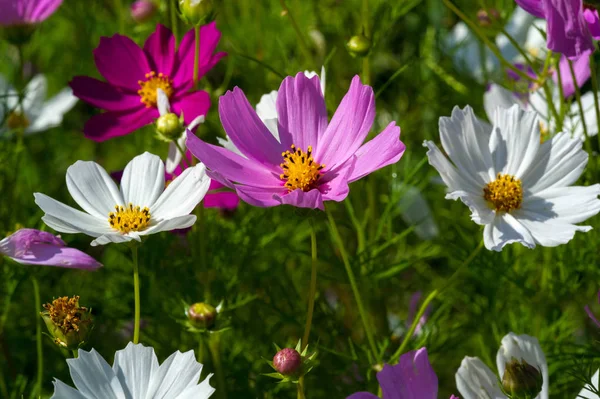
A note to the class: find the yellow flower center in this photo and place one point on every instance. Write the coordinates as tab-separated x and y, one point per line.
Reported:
17	120
544	132
148	87
65	313
131	218
300	169
504	194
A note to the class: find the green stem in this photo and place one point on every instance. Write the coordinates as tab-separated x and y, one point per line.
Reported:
360	231
215	352
595	91
136	294
431	297
75	353
303	44
183	162
357	297
300	385
196	54
588	144
38	336
366	66
174	25
313	284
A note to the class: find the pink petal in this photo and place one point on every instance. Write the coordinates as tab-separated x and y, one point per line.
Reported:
593	21
248	132
256	196
192	105
303	199
349	126
567	29
385	149
121	62
534	7
362	395
302	115
222	200
112	124
412	378
581	68
334	183
160	50
103	95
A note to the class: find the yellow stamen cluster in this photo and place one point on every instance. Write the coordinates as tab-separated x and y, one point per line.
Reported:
130	218
66	313
504	194
17	120
148	88
300	169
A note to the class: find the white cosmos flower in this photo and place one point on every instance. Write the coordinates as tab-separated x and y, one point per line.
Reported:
143	206
475	380
519	189
34	114
174	156
135	374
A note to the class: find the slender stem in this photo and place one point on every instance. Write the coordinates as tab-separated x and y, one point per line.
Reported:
215	352
431	297
136	293
196	54
357	297
75	353
184	164
174	25
366	67
300	385
201	352
313	284
595	91
303	44
360	232
588	144
38	336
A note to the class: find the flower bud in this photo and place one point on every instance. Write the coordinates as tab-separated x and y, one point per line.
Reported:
202	315
169	127
18	34
197	12
67	322
359	45
142	10
521	380
486	18
287	361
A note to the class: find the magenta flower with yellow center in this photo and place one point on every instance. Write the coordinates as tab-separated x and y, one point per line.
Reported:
133	76
313	160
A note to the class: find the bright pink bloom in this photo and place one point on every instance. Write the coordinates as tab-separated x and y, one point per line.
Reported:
133	75
313	160
22	12
35	247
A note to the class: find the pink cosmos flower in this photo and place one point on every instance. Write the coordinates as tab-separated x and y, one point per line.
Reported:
35	247
313	160
133	76
23	12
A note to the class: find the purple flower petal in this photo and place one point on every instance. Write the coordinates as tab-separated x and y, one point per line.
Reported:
121	62
385	149
412	378
223	200
534	7
593	21
103	95
113	124
256	196
248	132
567	29
362	395
34	247
192	105
17	12
334	184
302	115
303	199
349	126
581	68
160	50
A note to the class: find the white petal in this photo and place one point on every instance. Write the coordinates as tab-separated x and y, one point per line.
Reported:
115	238
558	162
35	94
266	107
498	97
72	218
538	102
179	222
573	124
175	375
93	377
162	102
93	189
535	39
454	178
517	27
568	204
505	229
182	195
135	366
469	55
52	112
63	391
143	180
174	157
195	123
271	124
475	380
585	392
201	391
481	213
527	348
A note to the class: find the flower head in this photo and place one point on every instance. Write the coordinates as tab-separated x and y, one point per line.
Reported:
143	206
25	12
67	322
287	361
129	94
143	10
135	374
519	189
35	247
313	160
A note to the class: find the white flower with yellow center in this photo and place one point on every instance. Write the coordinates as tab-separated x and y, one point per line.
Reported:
142	206
519	189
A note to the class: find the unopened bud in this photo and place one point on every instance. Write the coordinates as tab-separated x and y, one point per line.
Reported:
487	17
202	315
142	10
169	127
521	380
67	322
359	45
287	361
18	34
197	12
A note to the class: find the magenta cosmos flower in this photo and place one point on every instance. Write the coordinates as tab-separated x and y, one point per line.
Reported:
35	247
313	160
571	24
133	76
25	12
412	378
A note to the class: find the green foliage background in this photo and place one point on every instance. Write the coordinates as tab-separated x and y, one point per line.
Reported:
258	260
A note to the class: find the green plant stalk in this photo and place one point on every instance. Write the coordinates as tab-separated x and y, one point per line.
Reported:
173	14
136	294
183	162
595	91
360	233
215	352
75	353
588	144
300	386
355	291
196	54
303	44
313	285
38	336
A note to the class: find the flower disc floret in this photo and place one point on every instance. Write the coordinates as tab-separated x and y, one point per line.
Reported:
148	87
300	169
130	218
504	194
17	120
